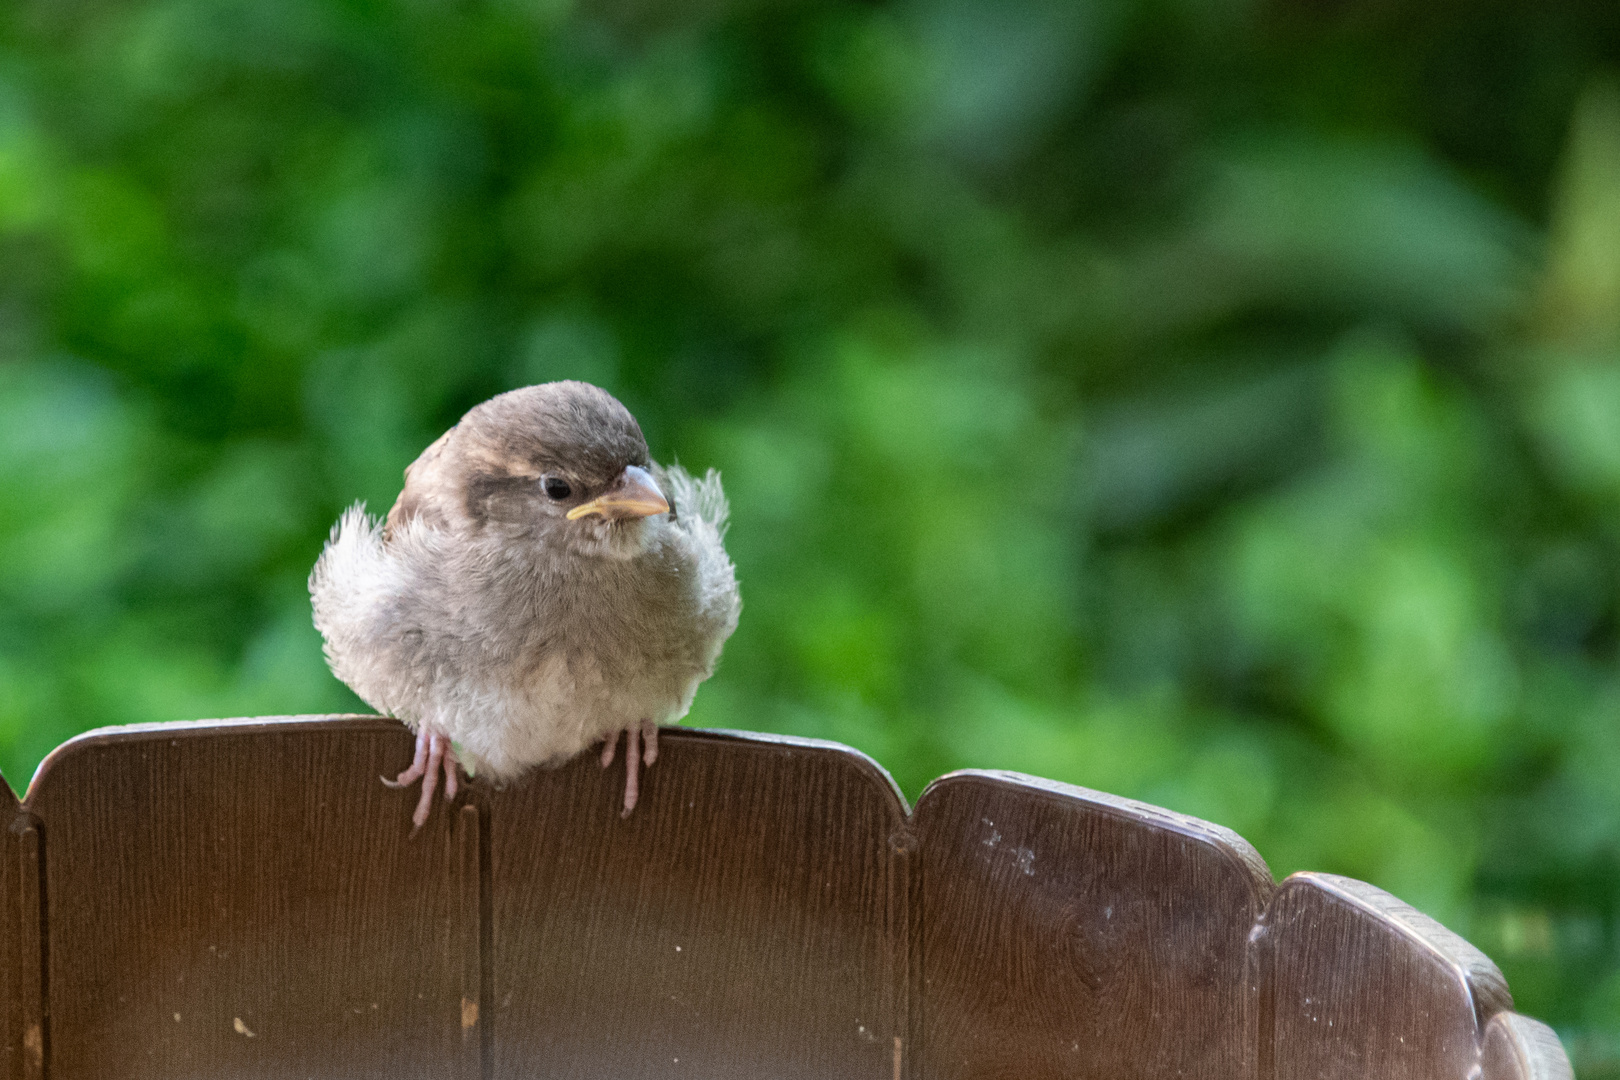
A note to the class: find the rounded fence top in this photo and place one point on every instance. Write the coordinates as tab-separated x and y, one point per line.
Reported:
245	897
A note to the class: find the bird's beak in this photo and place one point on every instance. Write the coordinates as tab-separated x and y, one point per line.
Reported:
633	494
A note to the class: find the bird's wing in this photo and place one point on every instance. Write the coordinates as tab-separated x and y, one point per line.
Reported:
693	497
428	493
350	585
701	512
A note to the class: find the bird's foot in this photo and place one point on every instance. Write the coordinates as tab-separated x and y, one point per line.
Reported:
640	746
433	753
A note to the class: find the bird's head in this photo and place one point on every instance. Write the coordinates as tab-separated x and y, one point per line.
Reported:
563	462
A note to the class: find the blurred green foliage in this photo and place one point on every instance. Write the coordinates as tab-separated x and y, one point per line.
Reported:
1215	403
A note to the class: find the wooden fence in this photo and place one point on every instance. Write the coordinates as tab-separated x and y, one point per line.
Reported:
244	899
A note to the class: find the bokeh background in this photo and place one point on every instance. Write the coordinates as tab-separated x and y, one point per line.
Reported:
1215	402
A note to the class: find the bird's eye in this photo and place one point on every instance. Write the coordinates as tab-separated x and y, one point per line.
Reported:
557	489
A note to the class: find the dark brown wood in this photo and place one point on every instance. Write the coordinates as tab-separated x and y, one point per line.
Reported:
1068	933
32	1026
904	973
733	926
1364	985
20	968
245	899
470	887
1519	1048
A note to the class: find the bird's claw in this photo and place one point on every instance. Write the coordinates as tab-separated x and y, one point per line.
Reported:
433	755
640	747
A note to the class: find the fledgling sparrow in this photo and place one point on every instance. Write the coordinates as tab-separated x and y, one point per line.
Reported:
538	587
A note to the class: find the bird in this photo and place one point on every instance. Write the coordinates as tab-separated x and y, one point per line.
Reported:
538	587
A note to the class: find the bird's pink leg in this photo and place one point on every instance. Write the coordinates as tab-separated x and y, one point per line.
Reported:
634	757
418	764
632	768
433	754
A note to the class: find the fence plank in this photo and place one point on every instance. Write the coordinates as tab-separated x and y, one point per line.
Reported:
1068	933
1519	1048
733	926
245	901
1364	985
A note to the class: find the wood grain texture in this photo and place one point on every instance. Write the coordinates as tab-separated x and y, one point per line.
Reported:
1519	1048
245	902
1360	984
903	976
472	885
244	899
733	926
19	968
1068	933
33	1012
